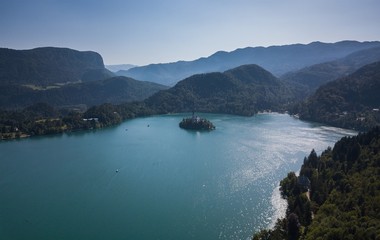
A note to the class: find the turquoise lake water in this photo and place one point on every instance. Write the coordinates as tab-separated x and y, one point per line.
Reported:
149	179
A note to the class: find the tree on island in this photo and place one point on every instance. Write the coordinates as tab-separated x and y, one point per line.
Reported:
196	123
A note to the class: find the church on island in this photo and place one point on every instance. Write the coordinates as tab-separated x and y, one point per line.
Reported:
196	123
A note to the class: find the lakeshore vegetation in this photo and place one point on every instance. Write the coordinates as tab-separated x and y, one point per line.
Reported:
343	198
42	119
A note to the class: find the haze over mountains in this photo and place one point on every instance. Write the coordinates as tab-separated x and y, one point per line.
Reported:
350	101
67	78
113	90
276	59
118	67
64	77
336	84
312	77
243	90
50	65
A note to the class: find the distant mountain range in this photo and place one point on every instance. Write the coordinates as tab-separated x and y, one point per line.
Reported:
244	90
276	59
67	78
113	90
118	67
315	76
351	101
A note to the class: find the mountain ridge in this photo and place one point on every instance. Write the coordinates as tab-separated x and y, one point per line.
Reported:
348	102
244	90
50	65
118	67
113	90
316	75
276	59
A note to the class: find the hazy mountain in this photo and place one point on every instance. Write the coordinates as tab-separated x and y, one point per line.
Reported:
50	65
112	90
347	102
316	75
243	91
276	59
118	67
61	76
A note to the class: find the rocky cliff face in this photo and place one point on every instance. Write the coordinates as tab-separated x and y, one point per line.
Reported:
48	65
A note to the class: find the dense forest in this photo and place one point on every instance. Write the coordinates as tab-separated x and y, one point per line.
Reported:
310	78
276	59
64	77
49	65
341	197
42	119
349	102
113	90
244	90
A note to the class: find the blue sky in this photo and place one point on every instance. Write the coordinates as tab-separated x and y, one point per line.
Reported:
153	31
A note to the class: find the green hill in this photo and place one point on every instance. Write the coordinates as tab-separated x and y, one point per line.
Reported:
243	90
349	102
63	77
276	59
312	77
112	90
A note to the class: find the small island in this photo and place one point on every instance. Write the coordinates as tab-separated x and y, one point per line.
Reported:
196	123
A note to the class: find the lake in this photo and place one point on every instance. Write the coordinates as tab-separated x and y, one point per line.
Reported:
149	179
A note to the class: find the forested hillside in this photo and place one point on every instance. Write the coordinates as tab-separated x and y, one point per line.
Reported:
43	119
343	198
49	65
312	77
244	91
64	77
276	59
349	102
112	90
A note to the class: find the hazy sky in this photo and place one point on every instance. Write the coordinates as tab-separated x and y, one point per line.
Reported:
152	31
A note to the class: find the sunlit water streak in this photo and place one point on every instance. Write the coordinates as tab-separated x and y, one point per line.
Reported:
170	183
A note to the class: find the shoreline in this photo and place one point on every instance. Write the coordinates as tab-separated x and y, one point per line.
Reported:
22	135
279	206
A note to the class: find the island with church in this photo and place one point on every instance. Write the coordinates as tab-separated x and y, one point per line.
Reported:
196	123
